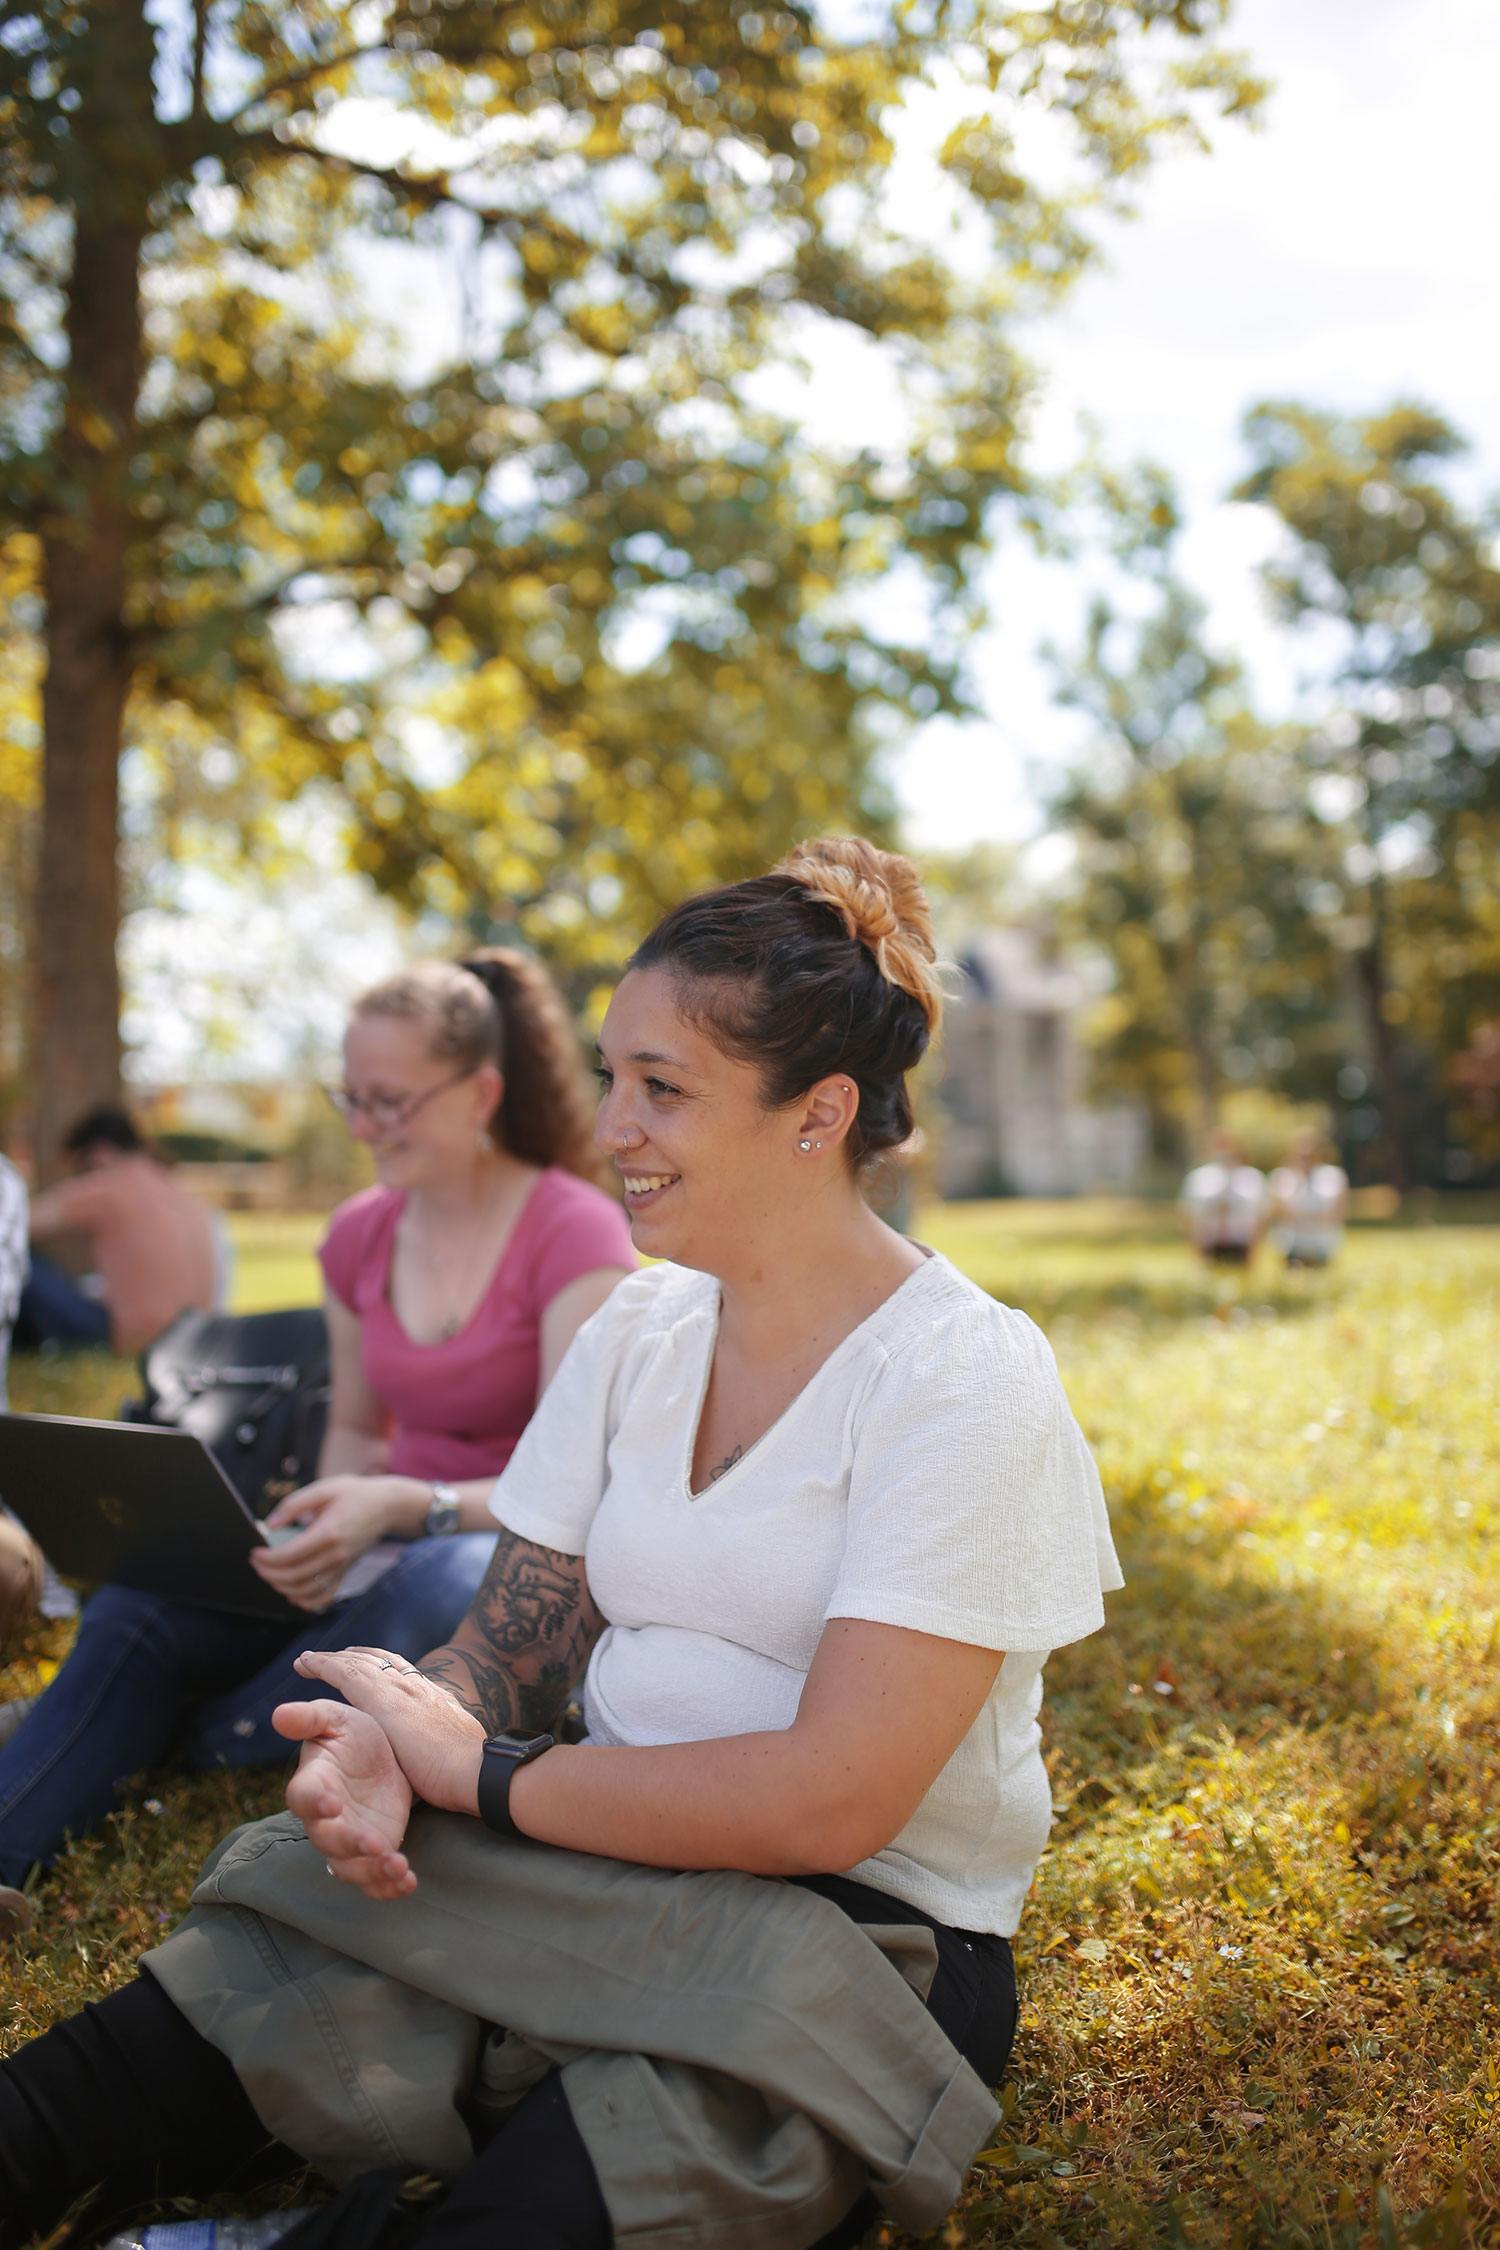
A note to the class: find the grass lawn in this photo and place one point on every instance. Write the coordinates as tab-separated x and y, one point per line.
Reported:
1260	1979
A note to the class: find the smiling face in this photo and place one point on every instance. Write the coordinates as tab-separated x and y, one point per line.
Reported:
708	1170
388	1060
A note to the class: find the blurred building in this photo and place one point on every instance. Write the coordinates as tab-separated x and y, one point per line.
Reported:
1014	1120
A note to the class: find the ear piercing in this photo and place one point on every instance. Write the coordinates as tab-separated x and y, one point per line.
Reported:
806	1145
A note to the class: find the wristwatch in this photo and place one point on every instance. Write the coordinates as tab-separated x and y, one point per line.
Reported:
441	1519
498	1761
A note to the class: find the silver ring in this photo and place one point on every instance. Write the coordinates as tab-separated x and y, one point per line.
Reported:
387	1664
328	1863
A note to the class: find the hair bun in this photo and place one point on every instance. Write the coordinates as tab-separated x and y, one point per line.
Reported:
878	896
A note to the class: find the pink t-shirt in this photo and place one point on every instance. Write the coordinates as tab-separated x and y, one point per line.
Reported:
458	1407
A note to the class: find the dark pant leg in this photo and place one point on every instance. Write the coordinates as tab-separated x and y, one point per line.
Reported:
973	1996
54	1310
539	2174
113	1710
533	2188
972	2000
127	2098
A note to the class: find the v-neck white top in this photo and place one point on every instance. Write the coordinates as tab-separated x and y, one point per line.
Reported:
930	1475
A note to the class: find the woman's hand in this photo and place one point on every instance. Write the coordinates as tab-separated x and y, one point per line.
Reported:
350	1795
343	1517
434	1740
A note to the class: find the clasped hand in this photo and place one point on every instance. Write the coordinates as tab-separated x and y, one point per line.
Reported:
360	1768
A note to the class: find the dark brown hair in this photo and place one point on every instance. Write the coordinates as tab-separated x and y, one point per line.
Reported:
498	1006
105	1126
826	965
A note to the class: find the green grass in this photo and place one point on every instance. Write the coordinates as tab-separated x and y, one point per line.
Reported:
1260	1979
274	1262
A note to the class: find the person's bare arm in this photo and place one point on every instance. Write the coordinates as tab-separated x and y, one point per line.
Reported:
882	1711
527	1638
354	1443
509	1668
62	1207
354	1500
566	1314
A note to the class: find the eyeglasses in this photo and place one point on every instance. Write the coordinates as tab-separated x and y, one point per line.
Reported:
388	1112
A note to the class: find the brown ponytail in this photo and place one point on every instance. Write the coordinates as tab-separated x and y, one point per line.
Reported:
547	1113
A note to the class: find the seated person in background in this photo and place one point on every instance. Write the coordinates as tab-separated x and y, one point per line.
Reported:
1225	1204
453	1289
810	1508
1310	1200
152	1244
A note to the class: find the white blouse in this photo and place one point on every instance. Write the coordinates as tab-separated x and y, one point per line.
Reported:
930	1475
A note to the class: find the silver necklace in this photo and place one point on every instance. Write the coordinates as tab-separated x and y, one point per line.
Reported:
451	1326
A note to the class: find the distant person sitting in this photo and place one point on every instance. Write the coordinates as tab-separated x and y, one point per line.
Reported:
1310	1202
152	1244
1225	1204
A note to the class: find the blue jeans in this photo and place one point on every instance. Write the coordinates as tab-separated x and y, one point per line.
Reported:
54	1310
146	1672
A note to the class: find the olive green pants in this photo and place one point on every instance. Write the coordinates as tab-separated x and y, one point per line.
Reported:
741	2060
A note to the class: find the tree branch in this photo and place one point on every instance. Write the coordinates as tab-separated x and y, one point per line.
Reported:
295	80
432	192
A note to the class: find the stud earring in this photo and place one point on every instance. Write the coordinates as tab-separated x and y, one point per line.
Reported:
804	1146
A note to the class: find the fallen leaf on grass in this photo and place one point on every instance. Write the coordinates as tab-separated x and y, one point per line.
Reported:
1093	1949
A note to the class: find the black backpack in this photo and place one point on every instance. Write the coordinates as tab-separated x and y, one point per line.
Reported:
253	1386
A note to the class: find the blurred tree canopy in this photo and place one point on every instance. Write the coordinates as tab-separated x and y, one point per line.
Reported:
620	591
1405	775
1193	858
1313	908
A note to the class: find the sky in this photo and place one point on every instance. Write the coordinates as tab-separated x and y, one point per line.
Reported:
1344	253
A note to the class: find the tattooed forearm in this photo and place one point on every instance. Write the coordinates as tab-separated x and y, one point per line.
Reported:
523	1647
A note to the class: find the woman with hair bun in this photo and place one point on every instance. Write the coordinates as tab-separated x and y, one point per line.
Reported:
805	1510
452	1290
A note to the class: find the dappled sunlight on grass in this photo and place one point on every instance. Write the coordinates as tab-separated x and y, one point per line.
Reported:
1259	1974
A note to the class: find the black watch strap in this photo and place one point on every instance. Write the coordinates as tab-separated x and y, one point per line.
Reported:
498	1761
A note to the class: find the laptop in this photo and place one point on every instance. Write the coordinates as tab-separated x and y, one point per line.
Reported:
138	1506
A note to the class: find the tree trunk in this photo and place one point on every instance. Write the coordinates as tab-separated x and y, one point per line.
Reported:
1370	967
1197	1003
77	1034
1205	1066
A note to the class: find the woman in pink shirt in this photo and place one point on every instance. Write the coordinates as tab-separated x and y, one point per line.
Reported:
453	1289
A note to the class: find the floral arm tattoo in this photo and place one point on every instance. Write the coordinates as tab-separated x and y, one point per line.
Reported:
524	1644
